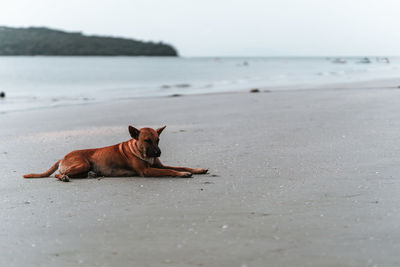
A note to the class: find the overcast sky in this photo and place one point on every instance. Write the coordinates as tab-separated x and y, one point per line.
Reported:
227	27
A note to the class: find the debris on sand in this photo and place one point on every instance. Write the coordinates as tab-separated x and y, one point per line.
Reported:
255	90
2	94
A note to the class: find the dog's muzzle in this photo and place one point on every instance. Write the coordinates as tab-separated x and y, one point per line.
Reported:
154	153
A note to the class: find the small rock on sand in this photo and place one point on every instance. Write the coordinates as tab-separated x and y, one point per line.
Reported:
2	94
255	90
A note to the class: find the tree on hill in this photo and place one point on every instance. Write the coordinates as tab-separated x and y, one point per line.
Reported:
44	41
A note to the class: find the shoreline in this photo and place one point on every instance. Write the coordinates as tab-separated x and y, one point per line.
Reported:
387	83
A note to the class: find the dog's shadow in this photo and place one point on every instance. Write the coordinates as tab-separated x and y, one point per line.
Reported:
139	178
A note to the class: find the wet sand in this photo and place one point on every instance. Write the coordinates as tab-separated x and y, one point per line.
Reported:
297	178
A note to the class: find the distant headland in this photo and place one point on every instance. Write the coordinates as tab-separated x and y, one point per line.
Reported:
34	41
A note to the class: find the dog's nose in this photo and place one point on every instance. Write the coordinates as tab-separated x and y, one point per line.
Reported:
158	152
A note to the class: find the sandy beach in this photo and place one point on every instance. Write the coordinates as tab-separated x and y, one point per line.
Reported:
297	178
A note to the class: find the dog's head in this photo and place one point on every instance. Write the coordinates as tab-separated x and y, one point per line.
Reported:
147	140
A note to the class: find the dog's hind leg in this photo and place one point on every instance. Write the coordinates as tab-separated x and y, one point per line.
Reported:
77	168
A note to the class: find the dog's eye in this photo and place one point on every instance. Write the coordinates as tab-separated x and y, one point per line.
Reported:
148	141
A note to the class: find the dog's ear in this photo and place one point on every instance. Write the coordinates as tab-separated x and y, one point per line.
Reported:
134	132
159	130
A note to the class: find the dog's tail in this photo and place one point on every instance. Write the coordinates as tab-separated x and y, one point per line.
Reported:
45	174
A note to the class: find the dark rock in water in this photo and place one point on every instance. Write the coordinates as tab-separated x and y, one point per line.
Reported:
165	86
2	94
175	95
255	90
182	85
398	86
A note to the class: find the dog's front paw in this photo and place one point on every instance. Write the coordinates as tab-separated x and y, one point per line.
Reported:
185	174
65	178
200	171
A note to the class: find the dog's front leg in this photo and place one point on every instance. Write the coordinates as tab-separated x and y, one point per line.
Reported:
154	172
158	164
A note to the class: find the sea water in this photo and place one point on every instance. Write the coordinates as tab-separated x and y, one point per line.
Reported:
45	82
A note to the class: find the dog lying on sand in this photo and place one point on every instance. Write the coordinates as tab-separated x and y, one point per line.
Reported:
138	156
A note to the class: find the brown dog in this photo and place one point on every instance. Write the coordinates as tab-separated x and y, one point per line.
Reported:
138	156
